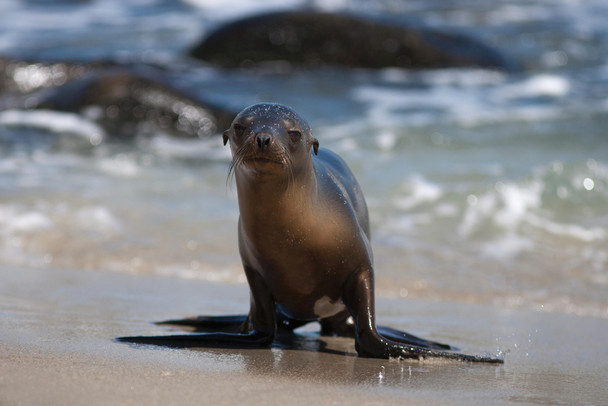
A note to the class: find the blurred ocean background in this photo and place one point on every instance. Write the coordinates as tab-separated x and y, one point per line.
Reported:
483	187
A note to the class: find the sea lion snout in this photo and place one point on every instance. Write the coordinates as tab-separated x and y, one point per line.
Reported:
263	140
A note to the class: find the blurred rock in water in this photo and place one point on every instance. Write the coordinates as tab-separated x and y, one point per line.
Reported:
314	40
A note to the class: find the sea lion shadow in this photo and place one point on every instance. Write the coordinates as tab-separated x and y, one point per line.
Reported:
309	355
315	342
226	332
285	339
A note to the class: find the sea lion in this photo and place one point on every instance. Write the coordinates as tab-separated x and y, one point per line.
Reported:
308	39
304	240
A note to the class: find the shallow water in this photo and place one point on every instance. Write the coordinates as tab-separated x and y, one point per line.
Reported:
482	187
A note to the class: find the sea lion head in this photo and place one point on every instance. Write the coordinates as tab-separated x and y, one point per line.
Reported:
269	138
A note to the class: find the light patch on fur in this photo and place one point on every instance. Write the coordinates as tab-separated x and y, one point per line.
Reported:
324	307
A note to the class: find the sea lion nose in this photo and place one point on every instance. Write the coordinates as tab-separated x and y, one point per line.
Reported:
263	140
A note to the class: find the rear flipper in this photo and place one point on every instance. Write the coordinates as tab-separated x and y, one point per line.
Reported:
252	339
230	331
256	330
229	324
210	324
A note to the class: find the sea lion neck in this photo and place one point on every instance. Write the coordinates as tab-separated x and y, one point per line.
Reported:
267	195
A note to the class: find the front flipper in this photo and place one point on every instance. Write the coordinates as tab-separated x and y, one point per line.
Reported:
341	325
409	339
369	342
379	347
253	339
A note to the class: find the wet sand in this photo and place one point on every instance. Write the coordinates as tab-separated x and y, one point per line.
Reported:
56	347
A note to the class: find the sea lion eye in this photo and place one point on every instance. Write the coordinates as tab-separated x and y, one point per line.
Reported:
239	130
294	136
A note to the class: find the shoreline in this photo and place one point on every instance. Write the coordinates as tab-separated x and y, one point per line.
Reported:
57	329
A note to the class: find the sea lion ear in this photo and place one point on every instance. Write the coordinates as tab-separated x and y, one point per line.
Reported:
315	146
226	136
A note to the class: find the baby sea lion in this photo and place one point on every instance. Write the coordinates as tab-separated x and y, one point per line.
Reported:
304	240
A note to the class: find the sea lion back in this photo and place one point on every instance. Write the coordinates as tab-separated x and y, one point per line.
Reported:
346	182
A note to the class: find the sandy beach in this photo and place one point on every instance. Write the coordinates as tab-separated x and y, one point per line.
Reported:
57	330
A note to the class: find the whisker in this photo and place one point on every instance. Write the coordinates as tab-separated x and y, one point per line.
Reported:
248	149
238	158
290	173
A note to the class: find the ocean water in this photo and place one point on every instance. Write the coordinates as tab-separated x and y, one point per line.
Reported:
482	187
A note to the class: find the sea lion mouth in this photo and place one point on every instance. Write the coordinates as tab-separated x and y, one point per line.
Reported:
250	159
264	160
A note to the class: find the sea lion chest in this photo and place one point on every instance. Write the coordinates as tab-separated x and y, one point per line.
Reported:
304	245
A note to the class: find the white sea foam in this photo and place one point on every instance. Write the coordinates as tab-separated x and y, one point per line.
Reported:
507	207
386	107
232	9
518	13
98	219
54	121
209	148
567	230
201	272
420	191
477	210
408	223
16	225
121	165
36	234
463	97
14	220
512	205
464	78
446	210
386	140
541	85
507	246
517	202
249	6
9	164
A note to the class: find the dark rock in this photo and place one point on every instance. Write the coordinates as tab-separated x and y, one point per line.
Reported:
313	40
